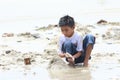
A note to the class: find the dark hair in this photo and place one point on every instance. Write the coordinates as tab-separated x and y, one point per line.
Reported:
66	21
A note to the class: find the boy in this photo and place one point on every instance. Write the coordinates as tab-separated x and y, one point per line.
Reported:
71	45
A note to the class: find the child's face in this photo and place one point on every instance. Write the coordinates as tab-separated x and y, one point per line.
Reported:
67	31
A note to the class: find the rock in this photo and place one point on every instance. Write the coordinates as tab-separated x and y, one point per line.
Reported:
27	61
56	25
40	28
19	41
7	35
103	36
92	26
48	38
8	51
44	28
26	34
102	22
114	23
2	65
112	33
36	35
112	54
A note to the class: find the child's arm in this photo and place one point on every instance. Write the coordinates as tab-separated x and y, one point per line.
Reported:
78	54
62	55
79	47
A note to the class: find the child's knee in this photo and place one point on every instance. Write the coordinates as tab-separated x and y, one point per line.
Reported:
90	38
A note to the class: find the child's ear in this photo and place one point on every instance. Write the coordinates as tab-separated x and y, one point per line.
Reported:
73	27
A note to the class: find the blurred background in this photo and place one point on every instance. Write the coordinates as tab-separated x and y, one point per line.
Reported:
19	15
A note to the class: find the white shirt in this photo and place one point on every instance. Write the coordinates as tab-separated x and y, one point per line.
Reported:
75	39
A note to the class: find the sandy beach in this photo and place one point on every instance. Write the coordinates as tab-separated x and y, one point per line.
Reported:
40	45
29	34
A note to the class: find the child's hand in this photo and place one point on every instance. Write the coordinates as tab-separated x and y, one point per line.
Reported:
71	61
70	58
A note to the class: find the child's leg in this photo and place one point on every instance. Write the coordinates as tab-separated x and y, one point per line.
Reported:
69	47
88	53
88	44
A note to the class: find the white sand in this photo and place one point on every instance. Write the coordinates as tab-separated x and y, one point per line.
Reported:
104	65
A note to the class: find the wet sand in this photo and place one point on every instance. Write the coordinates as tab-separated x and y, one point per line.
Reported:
41	48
